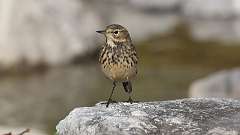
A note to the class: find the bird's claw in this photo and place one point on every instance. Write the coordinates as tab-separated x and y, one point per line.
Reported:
131	101
108	102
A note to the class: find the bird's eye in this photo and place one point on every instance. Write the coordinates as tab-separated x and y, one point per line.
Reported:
115	32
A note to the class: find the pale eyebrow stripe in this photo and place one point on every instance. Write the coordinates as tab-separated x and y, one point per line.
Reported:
120	30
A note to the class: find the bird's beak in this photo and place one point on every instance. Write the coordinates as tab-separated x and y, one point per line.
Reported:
101	31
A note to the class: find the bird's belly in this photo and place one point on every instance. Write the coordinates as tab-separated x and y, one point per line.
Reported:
120	73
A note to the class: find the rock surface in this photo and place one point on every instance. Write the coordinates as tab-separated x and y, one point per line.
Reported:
224	84
185	116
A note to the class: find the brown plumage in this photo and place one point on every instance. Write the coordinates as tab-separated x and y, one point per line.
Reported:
118	57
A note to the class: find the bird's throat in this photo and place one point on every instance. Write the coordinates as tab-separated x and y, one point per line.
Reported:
111	43
114	43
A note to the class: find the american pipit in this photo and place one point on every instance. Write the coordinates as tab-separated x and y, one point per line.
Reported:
118	58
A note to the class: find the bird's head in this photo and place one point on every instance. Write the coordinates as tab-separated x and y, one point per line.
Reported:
116	33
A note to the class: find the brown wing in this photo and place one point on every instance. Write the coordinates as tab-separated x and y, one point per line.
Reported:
134	54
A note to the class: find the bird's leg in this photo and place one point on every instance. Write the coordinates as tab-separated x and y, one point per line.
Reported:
128	88
110	97
130	99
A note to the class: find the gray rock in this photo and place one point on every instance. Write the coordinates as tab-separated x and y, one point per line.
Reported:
223	84
185	116
216	20
156	5
215	29
45	32
213	19
211	8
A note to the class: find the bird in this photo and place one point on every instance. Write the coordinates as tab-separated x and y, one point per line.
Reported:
118	58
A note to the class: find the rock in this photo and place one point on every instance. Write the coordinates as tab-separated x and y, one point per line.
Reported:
215	29
156	5
221	84
216	20
45	32
185	116
210	9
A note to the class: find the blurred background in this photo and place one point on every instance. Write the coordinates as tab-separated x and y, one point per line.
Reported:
49	55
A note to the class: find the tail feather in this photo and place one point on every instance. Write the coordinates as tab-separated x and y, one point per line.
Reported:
127	86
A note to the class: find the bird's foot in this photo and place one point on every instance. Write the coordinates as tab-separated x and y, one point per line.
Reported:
131	101
108	102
